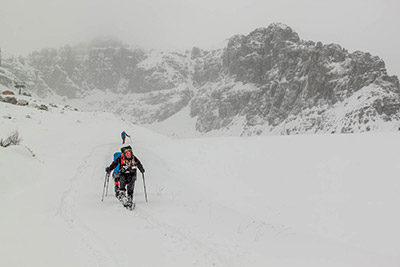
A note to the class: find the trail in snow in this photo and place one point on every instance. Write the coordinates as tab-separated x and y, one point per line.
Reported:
100	255
127	226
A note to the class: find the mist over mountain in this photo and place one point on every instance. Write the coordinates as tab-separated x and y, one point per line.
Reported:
267	82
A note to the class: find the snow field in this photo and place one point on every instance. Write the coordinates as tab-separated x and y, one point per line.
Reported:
315	200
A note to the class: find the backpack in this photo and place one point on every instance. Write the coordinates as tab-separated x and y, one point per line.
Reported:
116	155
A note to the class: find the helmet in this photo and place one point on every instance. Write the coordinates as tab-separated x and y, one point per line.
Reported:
125	148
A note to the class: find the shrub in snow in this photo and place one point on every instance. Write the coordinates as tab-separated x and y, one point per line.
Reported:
43	107
12	140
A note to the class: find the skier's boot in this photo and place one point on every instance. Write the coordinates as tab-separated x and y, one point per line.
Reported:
121	195
130	203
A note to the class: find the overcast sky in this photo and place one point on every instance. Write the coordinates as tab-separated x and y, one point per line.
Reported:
366	25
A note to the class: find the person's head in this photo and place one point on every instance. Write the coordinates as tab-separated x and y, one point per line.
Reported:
127	151
128	154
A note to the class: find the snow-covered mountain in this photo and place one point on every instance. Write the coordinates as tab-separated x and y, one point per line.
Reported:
267	82
288	201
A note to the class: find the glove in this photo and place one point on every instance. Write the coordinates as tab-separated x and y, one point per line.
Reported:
108	170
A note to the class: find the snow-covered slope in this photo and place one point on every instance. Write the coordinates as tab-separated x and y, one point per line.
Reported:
316	200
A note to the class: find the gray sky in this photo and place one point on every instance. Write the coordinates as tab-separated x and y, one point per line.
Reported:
366	25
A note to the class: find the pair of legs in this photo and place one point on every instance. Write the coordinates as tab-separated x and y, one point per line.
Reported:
127	183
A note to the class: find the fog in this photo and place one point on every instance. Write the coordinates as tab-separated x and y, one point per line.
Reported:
365	25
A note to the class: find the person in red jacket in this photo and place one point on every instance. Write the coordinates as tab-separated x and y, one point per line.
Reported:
128	163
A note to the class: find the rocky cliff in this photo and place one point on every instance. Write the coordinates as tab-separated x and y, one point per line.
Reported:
269	81
293	86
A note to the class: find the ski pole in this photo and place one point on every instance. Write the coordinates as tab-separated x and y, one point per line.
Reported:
144	184
104	188
108	181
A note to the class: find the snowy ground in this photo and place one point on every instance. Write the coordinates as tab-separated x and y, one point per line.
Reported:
316	200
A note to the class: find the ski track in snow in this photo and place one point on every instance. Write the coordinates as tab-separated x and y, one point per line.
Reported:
66	210
101	254
182	239
185	240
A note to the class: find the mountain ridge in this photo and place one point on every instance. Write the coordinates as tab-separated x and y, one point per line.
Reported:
270	80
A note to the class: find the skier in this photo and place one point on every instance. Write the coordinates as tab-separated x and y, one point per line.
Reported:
123	136
127	174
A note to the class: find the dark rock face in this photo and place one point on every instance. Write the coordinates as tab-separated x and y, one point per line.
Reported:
289	76
269	81
250	57
207	66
